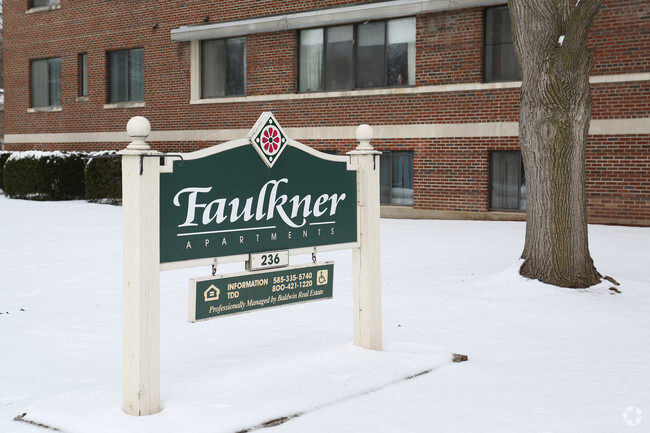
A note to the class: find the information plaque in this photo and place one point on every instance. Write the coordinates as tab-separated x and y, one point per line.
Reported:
212	297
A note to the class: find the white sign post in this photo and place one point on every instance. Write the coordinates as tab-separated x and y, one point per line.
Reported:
367	256
141	268
142	261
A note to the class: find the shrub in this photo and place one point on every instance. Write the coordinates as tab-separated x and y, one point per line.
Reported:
103	178
3	158
44	176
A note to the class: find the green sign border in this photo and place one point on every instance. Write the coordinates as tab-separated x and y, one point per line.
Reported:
214	297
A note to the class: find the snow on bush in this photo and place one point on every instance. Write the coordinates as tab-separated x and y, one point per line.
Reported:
39	175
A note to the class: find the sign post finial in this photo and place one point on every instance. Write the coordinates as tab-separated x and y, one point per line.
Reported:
138	129
364	134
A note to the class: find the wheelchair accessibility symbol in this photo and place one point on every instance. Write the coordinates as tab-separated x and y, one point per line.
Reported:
321	277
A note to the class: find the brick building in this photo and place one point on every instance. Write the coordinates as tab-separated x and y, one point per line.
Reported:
437	79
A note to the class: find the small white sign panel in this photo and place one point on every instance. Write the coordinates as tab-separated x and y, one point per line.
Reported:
268	260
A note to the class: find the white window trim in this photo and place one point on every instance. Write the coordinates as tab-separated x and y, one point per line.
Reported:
384	91
195	70
321	18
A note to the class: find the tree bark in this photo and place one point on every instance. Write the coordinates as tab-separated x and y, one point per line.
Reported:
550	41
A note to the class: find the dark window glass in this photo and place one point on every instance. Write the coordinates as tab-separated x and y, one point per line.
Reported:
83	74
385	183
500	62
40	3
223	67
339	58
507	181
46	82
396	178
372	54
126	75
235	66
371	42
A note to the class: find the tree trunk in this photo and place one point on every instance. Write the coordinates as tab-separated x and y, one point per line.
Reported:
550	41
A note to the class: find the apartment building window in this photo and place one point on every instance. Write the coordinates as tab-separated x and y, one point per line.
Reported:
369	55
396	178
223	67
46	82
499	59
507	181
82	71
126	75
43	3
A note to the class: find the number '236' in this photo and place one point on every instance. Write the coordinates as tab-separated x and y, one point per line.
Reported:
270	259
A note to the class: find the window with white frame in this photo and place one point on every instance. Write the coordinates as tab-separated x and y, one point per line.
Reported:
507	181
46	82
396	178
499	59
360	56
126	75
223	67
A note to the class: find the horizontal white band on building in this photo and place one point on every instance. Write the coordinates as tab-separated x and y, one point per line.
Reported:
432	130
321	17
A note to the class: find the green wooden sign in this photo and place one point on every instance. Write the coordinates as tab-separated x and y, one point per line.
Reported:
213	297
238	198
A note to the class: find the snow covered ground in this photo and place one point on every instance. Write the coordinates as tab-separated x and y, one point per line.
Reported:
541	359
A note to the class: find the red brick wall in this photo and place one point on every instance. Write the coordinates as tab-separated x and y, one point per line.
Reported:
450	47
448	51
630	100
450	174
618	177
271	64
621	36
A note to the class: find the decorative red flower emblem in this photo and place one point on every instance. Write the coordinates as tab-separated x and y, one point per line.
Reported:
270	140
267	138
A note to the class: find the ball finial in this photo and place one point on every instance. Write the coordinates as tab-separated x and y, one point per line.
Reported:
138	129
364	135
364	132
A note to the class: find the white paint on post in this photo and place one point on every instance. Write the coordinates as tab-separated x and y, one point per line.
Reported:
367	256
141	278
